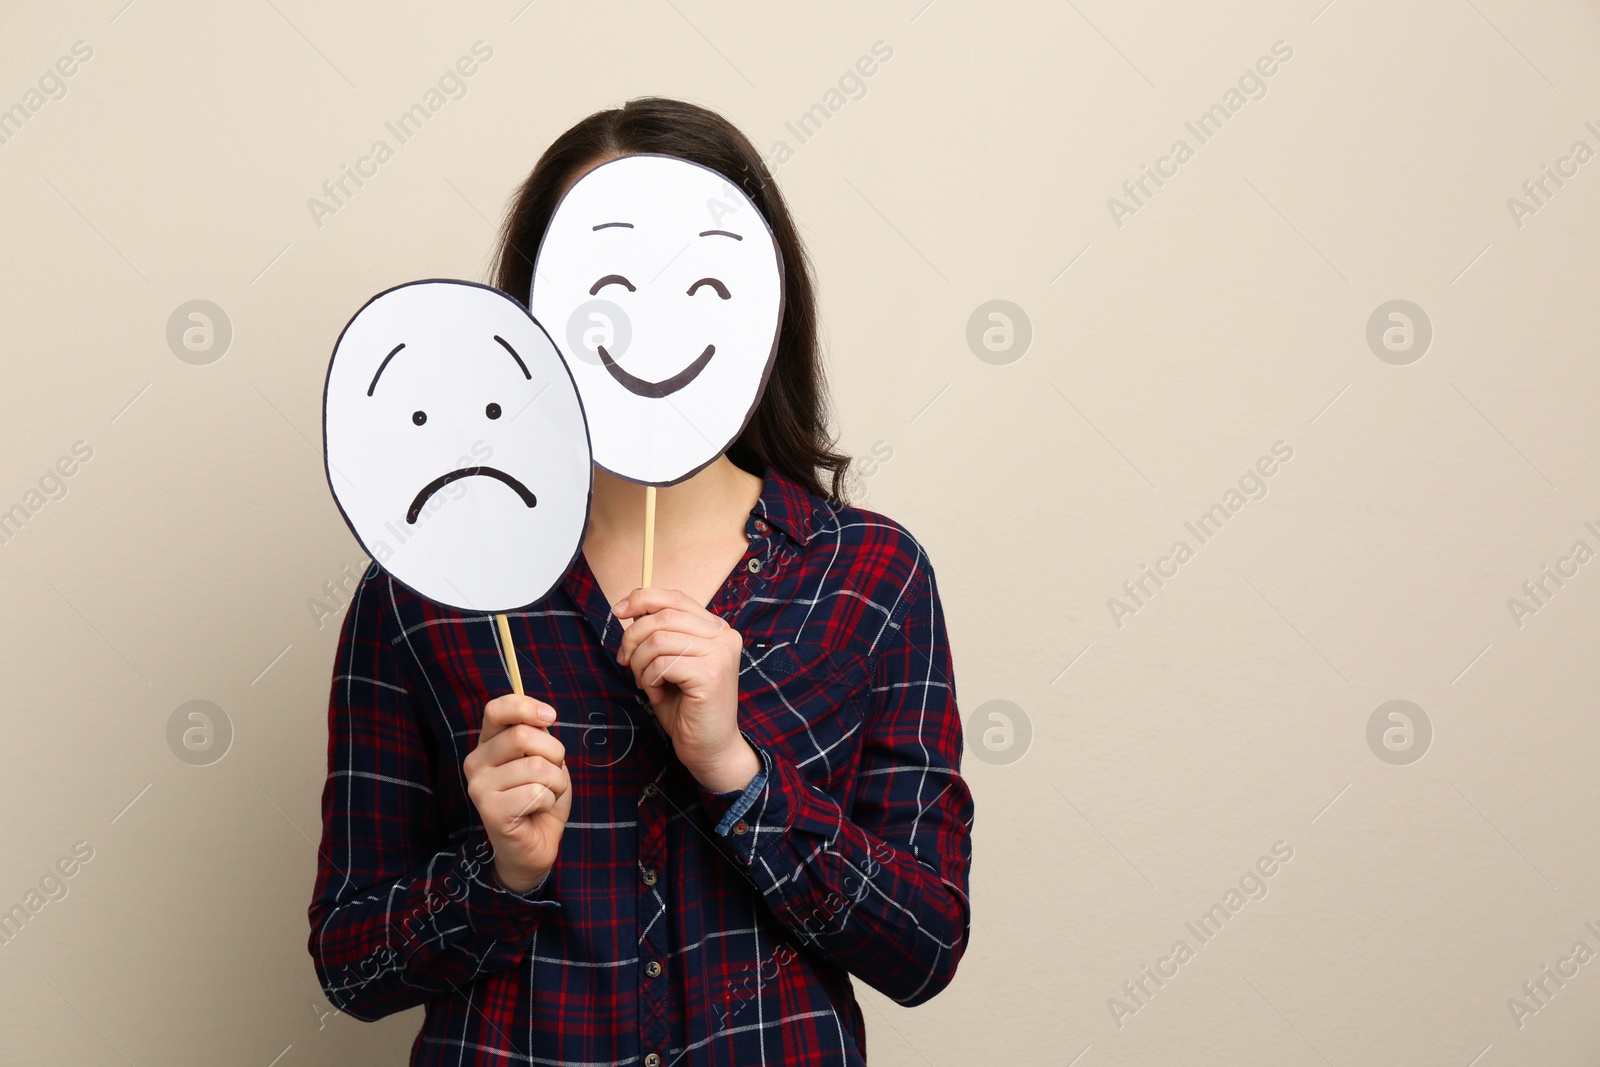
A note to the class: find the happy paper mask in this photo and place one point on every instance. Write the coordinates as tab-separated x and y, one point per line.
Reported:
662	284
456	446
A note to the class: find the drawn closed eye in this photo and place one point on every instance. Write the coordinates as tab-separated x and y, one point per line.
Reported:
722	290
610	279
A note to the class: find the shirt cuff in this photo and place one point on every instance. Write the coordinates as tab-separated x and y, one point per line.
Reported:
533	894
728	809
739	801
490	908
785	802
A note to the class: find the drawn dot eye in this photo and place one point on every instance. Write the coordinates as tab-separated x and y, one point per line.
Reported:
419	417
722	290
493	411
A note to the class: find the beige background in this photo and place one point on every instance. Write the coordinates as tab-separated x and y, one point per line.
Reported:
1227	314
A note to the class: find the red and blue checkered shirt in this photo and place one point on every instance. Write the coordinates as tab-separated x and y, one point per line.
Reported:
678	926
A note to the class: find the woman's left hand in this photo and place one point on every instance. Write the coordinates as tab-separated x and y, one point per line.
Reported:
687	661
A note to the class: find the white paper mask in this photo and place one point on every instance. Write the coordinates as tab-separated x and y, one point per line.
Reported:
455	445
662	284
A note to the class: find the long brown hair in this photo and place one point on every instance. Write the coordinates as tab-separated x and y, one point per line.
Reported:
789	428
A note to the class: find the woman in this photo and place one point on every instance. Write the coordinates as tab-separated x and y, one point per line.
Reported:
724	795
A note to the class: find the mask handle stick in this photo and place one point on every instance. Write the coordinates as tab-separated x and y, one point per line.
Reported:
649	535
508	650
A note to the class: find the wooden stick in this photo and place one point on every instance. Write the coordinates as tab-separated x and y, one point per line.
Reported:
649	535
509	651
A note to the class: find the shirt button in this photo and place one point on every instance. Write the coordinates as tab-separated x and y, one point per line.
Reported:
652	969
761	527
741	827
754	566
649	876
650	789
652	1060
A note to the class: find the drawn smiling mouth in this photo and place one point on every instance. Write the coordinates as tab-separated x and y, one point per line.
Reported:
665	386
466	472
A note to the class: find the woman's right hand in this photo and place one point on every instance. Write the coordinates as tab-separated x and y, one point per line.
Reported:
517	778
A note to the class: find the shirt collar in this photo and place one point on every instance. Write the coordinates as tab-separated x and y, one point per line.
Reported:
787	505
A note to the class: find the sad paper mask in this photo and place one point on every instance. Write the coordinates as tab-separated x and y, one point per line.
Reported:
662	283
456	446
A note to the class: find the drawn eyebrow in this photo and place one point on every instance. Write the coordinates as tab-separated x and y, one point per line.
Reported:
503	344
507	346
720	233
608	225
607	280
384	364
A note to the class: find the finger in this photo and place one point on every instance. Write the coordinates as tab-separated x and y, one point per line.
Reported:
526	801
502	807
699	623
511	709
529	770
523	740
702	624
669	644
513	743
643	601
534	797
686	670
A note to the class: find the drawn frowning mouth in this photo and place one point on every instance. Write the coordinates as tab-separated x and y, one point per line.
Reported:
665	386
466	472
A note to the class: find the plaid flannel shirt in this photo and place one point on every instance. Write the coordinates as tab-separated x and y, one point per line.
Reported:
677	926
